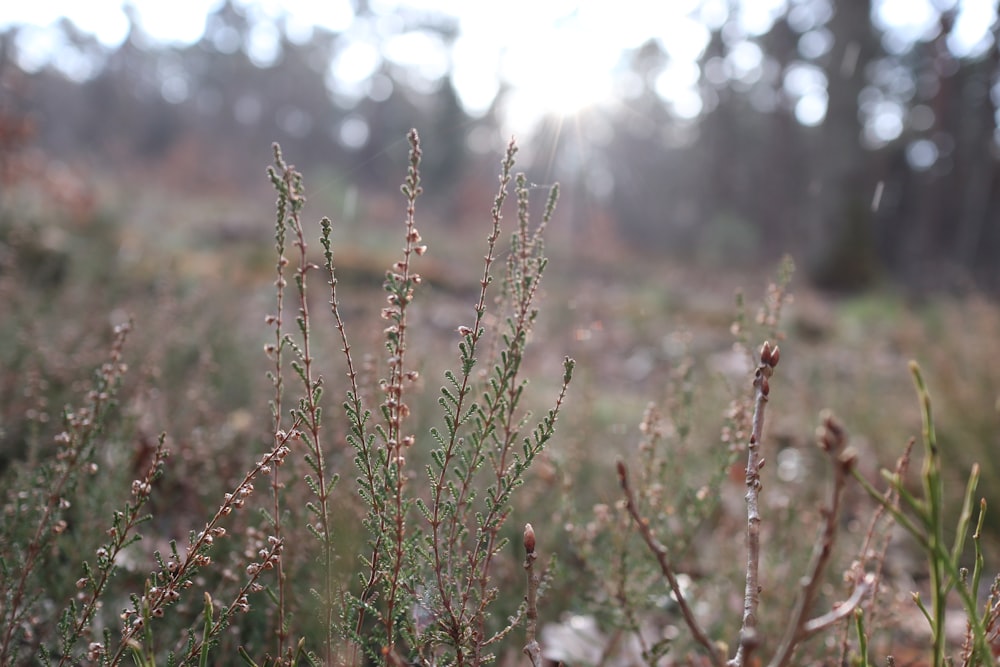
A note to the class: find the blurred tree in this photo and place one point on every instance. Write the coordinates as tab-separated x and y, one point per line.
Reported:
821	131
840	234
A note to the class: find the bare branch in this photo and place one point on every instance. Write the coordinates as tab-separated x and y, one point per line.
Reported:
751	598
840	611
833	440
660	552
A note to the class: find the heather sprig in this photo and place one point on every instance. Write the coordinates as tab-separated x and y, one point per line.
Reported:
78	618
433	564
176	572
307	415
40	509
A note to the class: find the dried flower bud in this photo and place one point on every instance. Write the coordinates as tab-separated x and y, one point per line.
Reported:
529	539
765	353
765	386
848	459
95	650
831	424
775	356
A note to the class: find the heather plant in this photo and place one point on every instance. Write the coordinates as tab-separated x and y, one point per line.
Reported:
638	548
423	581
35	515
429	589
382	512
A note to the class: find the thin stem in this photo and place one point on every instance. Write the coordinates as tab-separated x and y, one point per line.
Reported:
122	535
751	596
357	417
309	404
444	546
400	286
662	557
933	491
167	584
833	441
277	379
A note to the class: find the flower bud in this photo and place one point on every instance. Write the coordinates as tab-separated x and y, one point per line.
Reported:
765	353
529	539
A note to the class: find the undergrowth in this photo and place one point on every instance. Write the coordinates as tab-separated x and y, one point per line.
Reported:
389	517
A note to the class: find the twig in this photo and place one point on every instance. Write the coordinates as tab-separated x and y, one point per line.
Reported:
841	611
878	559
122	535
165	586
666	568
277	377
832	440
751	598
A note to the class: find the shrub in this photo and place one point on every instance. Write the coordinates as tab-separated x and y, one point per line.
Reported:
391	532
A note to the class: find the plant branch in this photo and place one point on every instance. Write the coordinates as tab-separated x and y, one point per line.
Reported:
832	440
662	557
751	597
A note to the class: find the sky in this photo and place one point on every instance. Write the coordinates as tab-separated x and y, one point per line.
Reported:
558	56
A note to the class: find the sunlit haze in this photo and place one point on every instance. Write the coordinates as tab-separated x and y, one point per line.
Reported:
557	57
